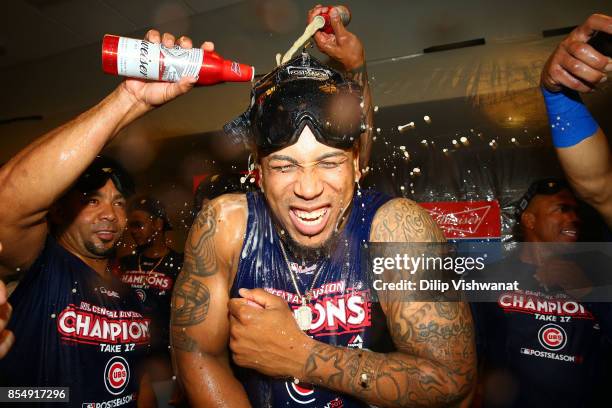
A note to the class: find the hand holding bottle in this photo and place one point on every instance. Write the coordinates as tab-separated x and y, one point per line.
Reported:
168	59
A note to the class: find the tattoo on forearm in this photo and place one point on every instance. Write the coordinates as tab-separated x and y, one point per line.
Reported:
434	363
382	379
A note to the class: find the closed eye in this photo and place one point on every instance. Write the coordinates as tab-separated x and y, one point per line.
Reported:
329	164
285	168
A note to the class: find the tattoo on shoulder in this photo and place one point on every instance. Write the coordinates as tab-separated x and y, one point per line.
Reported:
182	341
191	297
200	256
190	301
402	220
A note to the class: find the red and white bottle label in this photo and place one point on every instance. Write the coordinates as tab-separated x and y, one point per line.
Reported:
146	60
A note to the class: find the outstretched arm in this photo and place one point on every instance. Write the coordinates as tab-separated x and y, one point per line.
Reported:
434	364
582	146
7	338
199	324
38	175
346	48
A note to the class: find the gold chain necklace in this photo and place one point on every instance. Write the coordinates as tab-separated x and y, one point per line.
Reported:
153	268
303	314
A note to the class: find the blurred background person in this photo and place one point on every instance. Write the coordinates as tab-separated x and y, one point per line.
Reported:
539	346
151	272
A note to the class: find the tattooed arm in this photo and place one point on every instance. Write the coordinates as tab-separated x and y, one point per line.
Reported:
434	364
200	326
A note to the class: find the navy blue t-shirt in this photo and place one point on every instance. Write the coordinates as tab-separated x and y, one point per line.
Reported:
538	347
75	329
344	313
152	280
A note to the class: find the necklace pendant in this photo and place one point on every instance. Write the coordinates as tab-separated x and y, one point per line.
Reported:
303	316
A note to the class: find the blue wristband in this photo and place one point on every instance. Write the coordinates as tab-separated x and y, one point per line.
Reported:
570	121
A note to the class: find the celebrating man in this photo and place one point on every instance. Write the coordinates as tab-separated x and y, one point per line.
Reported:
276	280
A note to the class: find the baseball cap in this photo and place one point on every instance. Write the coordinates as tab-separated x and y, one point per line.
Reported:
152	206
99	171
545	186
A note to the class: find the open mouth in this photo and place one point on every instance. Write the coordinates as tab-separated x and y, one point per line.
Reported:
309	222
105	235
571	233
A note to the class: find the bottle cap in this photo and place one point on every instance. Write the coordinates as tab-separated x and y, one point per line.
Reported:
110	43
343	12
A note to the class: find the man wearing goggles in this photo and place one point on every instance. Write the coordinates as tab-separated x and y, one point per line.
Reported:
274	281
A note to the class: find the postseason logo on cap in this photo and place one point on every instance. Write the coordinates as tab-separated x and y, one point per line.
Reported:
320	74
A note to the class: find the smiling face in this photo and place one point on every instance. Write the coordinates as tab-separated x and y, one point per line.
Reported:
552	218
308	185
90	224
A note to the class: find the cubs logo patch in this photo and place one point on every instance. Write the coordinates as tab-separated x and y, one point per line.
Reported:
302	394
116	375
552	337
